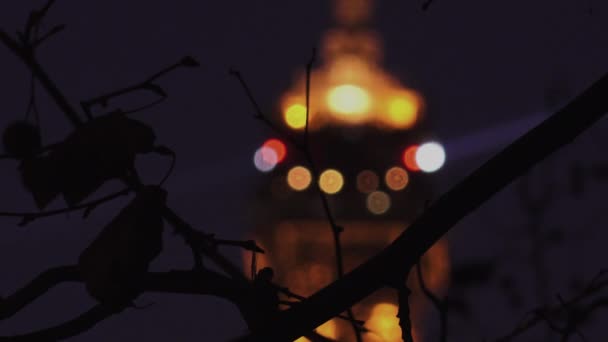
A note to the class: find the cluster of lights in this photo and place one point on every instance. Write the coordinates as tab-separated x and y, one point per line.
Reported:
271	153
427	157
351	103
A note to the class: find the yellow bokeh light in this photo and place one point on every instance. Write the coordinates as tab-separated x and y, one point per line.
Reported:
299	178
378	202
348	99
396	178
384	322
403	111
295	116
331	181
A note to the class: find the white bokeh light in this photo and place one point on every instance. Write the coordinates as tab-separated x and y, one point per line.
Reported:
430	156
265	159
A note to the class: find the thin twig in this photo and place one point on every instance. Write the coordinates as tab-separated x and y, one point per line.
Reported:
304	148
259	114
440	305
29	60
540	315
427	4
179	224
147	84
28	217
555	132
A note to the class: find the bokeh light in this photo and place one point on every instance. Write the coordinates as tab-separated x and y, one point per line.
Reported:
383	321
331	181
403	111
367	181
295	116
396	178
299	178
378	202
430	157
409	158
278	147
265	159
348	99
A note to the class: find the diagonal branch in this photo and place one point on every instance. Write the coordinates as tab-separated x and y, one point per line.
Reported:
204	282
555	132
68	329
36	288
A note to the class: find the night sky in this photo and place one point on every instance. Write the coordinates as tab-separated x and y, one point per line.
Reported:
480	65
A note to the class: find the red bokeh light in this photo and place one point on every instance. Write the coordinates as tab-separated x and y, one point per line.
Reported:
278	147
409	158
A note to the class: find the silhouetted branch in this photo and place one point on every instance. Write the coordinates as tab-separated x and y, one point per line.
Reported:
196	240
27	57
427	4
203	282
259	114
52	32
574	311
305	150
88	207
552	134
32	24
68	329
148	84
36	288
202	243
289	294
440	305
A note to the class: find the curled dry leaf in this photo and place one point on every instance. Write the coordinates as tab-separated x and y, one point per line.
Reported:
115	263
102	149
21	139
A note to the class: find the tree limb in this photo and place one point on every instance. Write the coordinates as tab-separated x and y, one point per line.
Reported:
552	134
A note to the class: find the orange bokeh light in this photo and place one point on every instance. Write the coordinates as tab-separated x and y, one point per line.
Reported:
331	181
278	147
409	158
396	178
299	178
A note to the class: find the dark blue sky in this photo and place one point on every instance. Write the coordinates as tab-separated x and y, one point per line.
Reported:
478	63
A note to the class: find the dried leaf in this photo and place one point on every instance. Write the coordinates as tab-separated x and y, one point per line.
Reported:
101	150
39	176
21	139
114	264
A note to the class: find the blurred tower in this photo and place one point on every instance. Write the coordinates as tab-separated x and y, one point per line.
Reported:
373	149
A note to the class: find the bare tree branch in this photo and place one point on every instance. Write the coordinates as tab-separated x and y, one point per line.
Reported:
88	206
440	305
30	61
36	288
68	329
555	132
548	314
